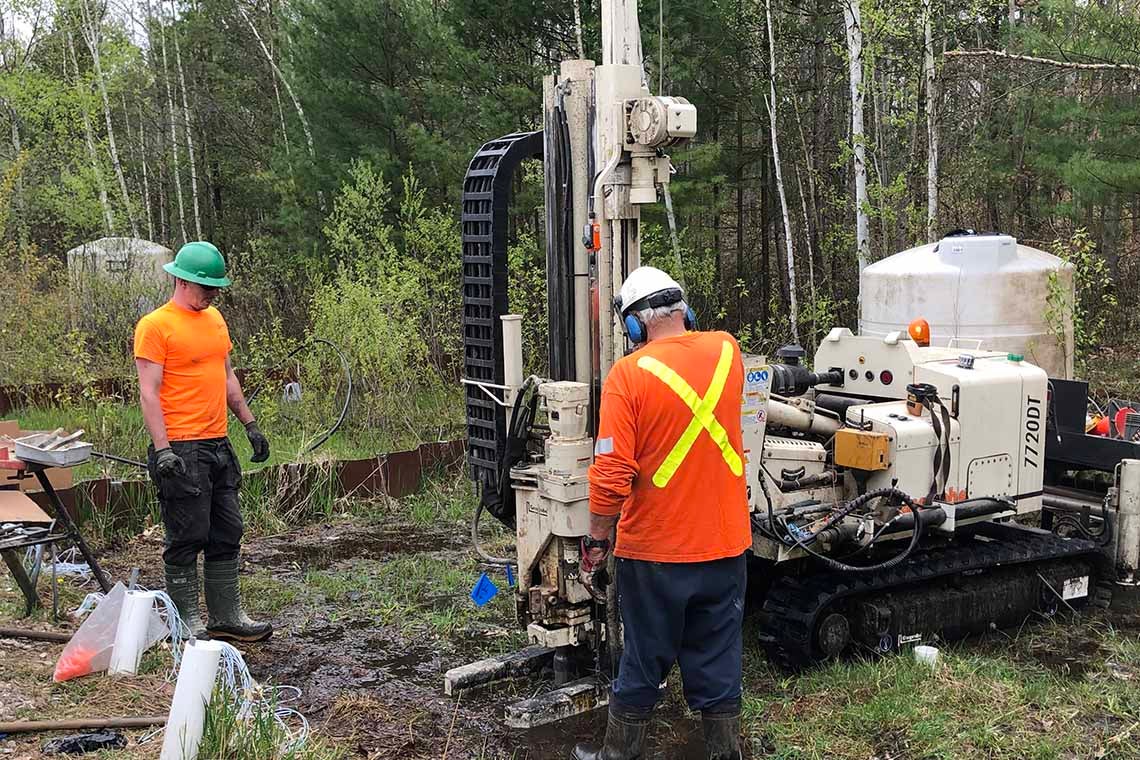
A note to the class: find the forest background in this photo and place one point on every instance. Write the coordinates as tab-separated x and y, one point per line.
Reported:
321	144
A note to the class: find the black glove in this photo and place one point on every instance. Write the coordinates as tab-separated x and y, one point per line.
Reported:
168	463
258	441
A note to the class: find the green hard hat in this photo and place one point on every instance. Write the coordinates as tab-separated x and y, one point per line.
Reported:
200	262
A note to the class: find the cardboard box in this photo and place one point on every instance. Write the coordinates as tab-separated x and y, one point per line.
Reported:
18	507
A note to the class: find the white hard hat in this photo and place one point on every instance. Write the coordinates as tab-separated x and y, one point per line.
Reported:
642	284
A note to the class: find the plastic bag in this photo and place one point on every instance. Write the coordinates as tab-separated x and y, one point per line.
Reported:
80	744
89	650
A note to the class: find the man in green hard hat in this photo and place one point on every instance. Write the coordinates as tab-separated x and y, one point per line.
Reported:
186	384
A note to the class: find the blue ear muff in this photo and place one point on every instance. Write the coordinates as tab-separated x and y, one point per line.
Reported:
634	328
690	318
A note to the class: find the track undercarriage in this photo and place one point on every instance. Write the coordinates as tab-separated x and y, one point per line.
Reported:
992	576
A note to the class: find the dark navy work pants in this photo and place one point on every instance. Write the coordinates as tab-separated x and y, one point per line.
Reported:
684	612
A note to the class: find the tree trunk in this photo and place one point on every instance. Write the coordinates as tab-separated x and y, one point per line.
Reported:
811	230
852	17
811	263
19	198
931	128
284	81
765	250
173	132
145	173
89	135
740	272
793	306
91	33
188	130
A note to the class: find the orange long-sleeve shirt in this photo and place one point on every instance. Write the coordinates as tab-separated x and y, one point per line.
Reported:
669	451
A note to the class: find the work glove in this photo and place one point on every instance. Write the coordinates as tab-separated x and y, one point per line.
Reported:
594	553
258	441
169	464
593	574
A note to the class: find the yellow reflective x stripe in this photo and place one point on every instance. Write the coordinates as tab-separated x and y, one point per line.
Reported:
703	417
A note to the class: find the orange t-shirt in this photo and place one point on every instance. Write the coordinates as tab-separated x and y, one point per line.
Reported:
192	347
669	451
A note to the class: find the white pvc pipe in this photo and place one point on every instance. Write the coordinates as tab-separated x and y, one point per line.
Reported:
512	355
130	636
187	718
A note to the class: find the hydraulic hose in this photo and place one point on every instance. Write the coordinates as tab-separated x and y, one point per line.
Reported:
346	368
844	511
483	554
518	429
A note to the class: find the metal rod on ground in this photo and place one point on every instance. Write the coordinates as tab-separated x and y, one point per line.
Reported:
20	633
33	726
72	531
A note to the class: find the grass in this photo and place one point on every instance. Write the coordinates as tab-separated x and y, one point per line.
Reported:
117	428
977	703
258	737
1003	697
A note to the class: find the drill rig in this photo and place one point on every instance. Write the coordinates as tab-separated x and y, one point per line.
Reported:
882	482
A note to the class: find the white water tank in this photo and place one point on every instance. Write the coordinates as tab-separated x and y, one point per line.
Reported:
117	276
976	289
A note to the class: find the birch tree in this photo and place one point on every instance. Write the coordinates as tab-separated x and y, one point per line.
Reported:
931	126
143	161
793	306
189	132
173	131
853	23
92	21
288	87
89	138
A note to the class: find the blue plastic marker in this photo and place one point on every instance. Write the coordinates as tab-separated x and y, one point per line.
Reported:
510	576
484	590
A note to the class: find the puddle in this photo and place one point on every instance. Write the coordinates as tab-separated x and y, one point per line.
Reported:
672	736
319	549
1078	655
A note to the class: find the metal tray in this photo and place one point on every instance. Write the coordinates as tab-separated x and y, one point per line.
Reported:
29	449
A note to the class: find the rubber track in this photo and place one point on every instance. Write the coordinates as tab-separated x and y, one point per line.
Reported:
793	604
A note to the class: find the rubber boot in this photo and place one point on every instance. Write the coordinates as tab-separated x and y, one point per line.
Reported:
625	737
182	587
228	622
722	735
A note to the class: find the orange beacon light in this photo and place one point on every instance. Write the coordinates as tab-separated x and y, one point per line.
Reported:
919	331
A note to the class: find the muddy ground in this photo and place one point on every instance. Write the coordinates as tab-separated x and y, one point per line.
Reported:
369	616
368	619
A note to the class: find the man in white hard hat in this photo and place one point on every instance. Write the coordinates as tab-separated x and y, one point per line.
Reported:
668	472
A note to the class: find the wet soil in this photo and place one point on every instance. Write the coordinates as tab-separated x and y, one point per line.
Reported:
377	691
322	546
374	688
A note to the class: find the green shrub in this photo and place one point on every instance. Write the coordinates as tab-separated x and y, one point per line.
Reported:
1091	302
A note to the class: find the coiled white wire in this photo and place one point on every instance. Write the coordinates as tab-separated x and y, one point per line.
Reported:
249	697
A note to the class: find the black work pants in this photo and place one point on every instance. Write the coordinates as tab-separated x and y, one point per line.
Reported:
200	509
685	612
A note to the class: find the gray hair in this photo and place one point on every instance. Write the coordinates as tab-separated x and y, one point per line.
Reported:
661	313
